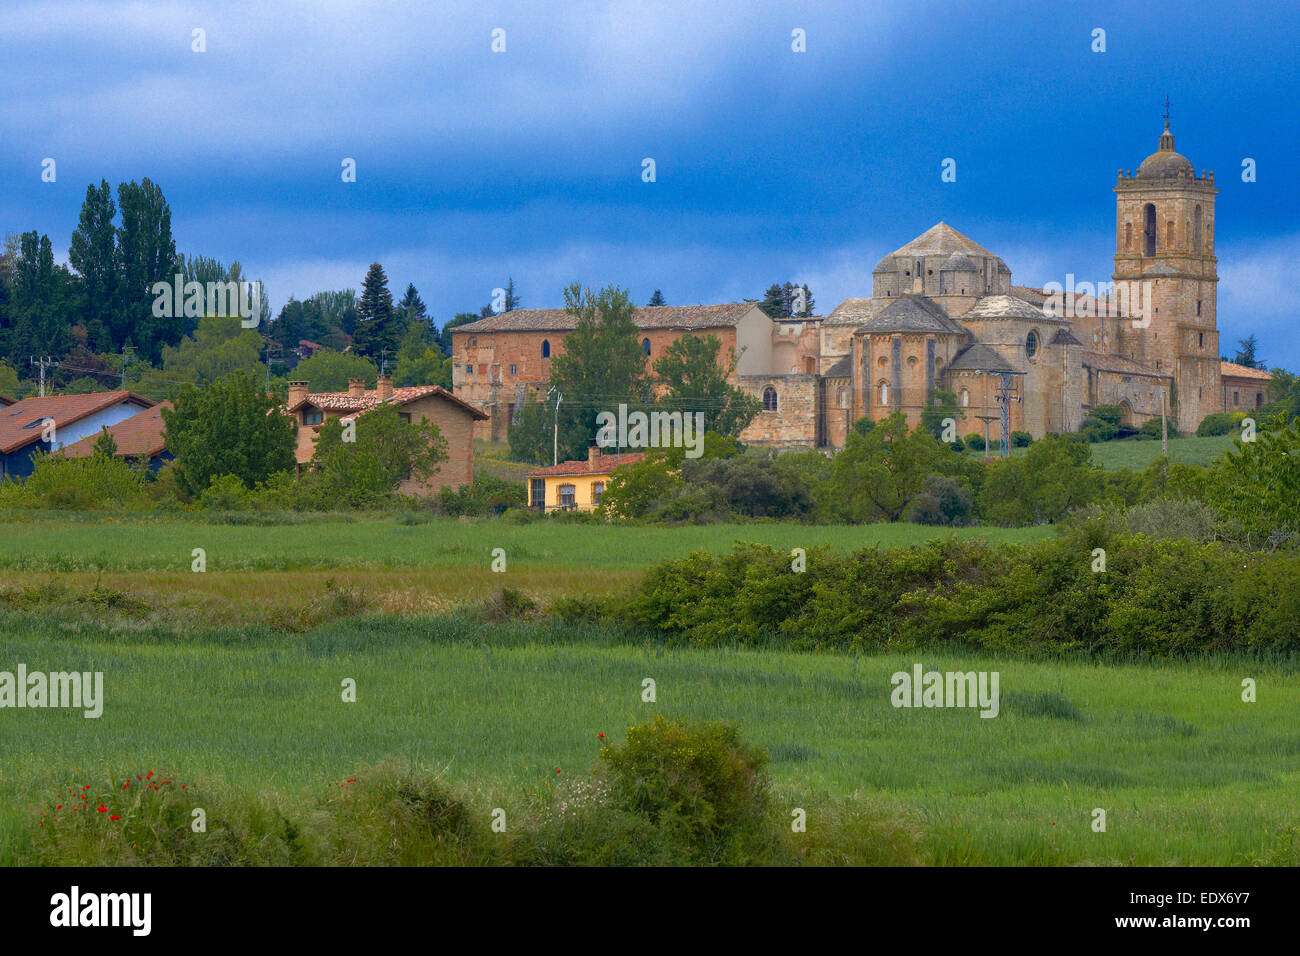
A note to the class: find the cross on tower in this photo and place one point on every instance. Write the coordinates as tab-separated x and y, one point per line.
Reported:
1165	117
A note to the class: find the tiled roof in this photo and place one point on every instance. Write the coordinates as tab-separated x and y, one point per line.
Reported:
63	409
857	311
1064	336
941	239
1243	371
343	402
841	368
1113	363
913	313
978	357
1007	307
603	465
140	436
647	317
6	400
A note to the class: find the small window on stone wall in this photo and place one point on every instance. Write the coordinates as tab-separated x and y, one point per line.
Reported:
546	348
769	399
1031	344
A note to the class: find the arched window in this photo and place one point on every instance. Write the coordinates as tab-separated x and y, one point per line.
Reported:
1149	229
965	398
769	399
884	393
546	348
645	346
1196	231
844	398
1031	344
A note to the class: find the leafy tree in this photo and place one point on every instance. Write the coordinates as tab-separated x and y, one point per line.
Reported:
696	382
1258	483
219	346
230	427
328	371
602	364
386	452
878	473
146	254
1053	477
9	384
1247	352
42	309
105	444
93	254
941	405
657	299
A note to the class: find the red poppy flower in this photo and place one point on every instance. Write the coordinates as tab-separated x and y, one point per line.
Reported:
59	807
102	809
115	817
600	735
127	784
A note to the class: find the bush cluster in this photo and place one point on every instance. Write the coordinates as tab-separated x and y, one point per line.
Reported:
1155	598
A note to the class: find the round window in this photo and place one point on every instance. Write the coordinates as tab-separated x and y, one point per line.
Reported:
1031	344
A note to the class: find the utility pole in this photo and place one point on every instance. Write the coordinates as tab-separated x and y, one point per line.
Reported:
555	453
125	349
41	364
1164	422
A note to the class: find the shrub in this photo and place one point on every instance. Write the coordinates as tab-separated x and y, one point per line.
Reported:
942	501
1021	439
701	784
226	493
1151	428
1216	423
957	445
488	495
975	441
91	483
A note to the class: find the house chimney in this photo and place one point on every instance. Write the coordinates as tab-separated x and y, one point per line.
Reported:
297	393
356	388
385	385
593	453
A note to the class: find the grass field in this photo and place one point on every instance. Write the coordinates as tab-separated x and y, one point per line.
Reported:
46	544
1186	772
1136	455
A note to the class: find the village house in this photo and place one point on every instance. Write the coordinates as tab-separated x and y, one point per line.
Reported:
53	422
575	485
139	439
454	417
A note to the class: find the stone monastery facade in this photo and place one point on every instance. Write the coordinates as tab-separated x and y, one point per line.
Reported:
943	314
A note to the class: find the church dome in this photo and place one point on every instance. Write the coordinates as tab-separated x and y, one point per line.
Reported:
1164	163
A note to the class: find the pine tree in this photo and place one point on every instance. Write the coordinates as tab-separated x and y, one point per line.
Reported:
379	328
773	301
657	299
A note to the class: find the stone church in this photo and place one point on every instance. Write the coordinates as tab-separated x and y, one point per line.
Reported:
943	314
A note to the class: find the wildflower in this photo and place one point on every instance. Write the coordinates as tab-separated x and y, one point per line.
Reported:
59	807
102	809
601	736
115	817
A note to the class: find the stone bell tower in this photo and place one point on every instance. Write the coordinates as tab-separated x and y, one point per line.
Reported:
1164	259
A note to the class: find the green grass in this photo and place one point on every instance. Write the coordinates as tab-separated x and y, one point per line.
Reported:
1187	773
1135	455
50	544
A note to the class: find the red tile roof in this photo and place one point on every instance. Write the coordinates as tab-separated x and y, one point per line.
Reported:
647	317
343	402
6	400
140	436
1243	371
603	465
64	409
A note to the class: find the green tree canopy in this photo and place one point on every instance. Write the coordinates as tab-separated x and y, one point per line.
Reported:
230	427
697	382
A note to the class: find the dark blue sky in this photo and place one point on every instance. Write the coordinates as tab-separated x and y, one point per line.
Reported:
771	165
